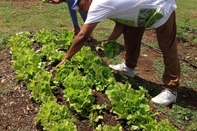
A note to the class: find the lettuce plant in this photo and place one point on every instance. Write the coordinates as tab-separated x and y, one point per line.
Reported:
55	117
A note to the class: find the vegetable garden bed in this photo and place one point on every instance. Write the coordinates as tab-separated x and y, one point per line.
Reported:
70	95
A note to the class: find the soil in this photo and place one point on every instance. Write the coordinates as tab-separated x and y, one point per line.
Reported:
18	110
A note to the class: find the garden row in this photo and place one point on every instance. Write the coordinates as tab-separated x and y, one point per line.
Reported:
34	57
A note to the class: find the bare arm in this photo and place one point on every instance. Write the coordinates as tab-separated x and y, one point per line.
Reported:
118	29
79	41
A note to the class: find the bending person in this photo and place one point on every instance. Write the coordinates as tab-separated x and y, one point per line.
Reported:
132	17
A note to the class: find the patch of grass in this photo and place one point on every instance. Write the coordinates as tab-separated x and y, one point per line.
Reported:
183	117
187	33
191	83
187	72
3	41
143	49
155	45
33	16
186	10
36	15
186	21
185	69
158	65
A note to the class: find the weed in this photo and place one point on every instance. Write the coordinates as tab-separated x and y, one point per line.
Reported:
159	67
3	41
186	33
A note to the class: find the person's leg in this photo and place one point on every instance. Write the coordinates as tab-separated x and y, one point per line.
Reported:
132	41
73	15
166	35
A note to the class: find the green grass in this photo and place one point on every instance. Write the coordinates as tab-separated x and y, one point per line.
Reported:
186	21
185	118
15	17
35	15
159	67
32	17
3	41
186	11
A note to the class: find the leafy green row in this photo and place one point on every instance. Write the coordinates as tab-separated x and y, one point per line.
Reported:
55	117
127	103
94	68
77	91
40	87
25	61
62	38
52	43
86	70
28	66
132	105
118	127
79	77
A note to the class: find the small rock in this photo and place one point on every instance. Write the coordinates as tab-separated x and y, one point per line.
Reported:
3	80
145	55
186	118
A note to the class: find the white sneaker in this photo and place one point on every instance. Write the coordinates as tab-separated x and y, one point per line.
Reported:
123	69
165	98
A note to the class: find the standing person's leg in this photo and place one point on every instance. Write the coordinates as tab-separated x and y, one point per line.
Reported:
73	15
132	41
166	35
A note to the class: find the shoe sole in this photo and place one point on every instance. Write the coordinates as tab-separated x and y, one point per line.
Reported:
122	72
164	103
125	73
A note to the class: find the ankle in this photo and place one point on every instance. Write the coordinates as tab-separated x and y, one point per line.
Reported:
171	88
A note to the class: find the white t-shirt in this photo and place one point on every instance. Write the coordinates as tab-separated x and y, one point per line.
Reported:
136	13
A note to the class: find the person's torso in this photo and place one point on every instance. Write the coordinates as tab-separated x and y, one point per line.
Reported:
136	13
